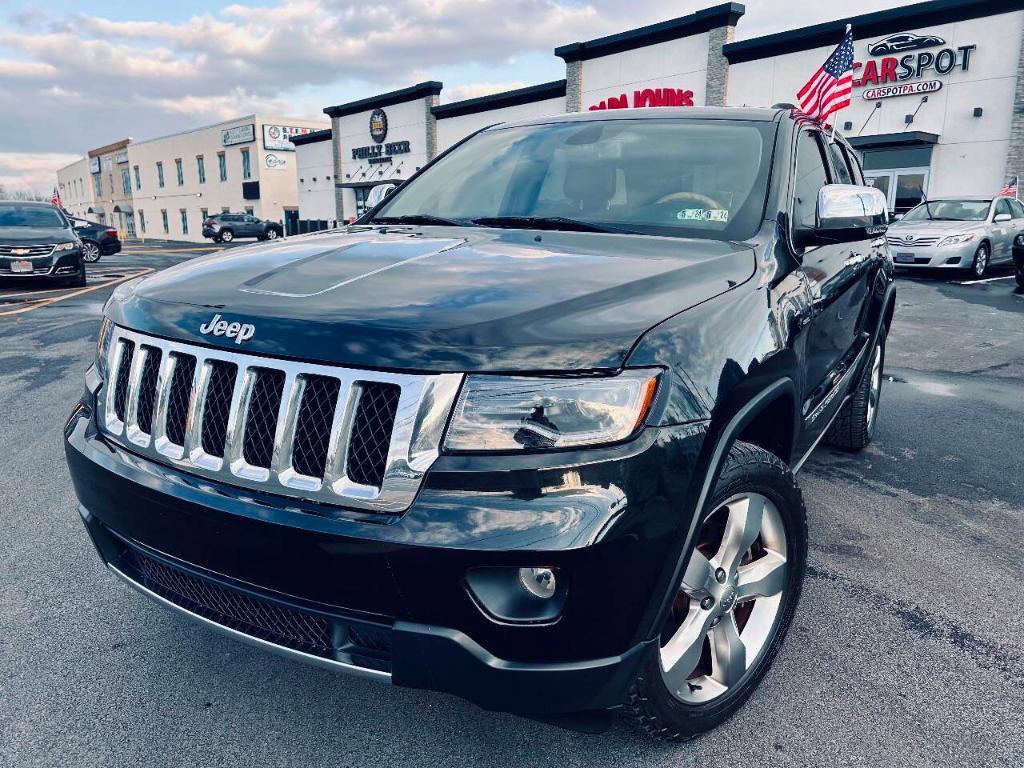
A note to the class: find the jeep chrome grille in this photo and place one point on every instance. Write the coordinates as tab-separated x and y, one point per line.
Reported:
336	435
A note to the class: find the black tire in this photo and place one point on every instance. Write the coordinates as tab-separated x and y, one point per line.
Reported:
1020	277
855	425
651	705
982	261
226	236
78	281
91	251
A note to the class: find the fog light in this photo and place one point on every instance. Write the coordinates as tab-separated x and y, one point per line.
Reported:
539	582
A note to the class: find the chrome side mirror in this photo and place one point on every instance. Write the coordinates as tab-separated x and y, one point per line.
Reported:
378	194
847	212
1001	217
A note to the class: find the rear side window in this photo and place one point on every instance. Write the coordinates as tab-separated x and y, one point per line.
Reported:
855	166
811	175
843	173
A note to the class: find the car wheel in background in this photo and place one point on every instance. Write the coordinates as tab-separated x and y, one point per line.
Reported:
855	424
90	251
271	234
226	236
981	261
736	601
1020	276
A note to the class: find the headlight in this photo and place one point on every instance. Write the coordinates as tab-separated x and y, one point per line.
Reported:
509	413
955	239
65	246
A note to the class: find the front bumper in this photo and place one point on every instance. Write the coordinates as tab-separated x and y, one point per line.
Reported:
609	520
67	264
947	257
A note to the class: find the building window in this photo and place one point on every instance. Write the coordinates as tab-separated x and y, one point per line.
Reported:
110	182
126	182
248	209
163	215
142	222
180	171
225	210
184	221
201	169
246	167
138	178
160	175
97	182
204	214
222	165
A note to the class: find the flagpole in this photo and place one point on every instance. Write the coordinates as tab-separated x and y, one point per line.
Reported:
849	28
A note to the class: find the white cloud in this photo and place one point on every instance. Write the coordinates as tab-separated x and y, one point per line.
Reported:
36	171
475	90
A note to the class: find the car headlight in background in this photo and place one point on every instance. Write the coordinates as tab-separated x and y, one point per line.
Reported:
64	247
955	239
509	413
1019	240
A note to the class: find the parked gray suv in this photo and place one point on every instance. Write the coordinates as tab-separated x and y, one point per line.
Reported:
225	227
957	233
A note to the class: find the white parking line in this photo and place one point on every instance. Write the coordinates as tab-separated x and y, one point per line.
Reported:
983	280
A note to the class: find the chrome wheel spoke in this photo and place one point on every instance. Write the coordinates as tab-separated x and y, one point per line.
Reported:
699	576
764	577
741	530
728	652
679	657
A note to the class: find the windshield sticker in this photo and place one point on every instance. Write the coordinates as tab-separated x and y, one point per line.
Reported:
720	215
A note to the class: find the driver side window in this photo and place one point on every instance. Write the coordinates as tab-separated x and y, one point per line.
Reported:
811	176
1003	206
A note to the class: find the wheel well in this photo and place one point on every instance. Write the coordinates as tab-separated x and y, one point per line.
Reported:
890	311
772	428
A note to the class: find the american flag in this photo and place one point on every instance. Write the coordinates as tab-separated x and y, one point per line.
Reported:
1011	187
55	200
829	88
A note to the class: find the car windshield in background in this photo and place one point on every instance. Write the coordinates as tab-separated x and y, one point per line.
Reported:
681	178
29	216
950	210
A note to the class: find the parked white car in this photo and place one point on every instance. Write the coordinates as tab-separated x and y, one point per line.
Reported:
957	233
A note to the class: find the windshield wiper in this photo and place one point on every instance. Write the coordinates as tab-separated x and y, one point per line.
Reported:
548	222
418	218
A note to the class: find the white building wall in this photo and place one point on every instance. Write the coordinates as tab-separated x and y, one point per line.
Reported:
971	155
453	129
315	169
407	121
680	64
74	182
278	186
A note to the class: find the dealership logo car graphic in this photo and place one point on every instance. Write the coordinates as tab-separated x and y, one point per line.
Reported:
240	332
904	41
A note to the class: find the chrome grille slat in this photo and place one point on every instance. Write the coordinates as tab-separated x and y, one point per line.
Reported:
317	409
39	249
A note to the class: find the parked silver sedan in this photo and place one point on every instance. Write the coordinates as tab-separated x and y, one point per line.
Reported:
957	233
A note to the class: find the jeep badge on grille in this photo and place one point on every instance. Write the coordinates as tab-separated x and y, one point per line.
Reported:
218	326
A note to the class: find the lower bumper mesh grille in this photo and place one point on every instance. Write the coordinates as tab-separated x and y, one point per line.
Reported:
359	643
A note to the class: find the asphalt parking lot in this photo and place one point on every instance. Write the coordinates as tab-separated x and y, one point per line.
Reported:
906	649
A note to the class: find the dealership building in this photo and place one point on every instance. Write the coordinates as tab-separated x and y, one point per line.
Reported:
937	105
164	188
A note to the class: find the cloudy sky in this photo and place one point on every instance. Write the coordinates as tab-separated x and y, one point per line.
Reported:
76	75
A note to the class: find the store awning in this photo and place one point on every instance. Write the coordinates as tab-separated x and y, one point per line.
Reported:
127	209
904	139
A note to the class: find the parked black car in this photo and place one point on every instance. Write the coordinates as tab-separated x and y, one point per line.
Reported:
225	227
37	240
97	239
528	434
1018	259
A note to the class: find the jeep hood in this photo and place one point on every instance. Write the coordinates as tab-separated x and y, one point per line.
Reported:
439	299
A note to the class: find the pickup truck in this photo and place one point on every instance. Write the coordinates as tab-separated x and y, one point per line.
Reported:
527	433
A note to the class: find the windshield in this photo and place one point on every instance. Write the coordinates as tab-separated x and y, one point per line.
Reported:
683	178
950	210
29	216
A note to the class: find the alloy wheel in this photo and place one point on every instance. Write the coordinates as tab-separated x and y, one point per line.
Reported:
726	609
90	252
981	261
227	236
272	234
876	386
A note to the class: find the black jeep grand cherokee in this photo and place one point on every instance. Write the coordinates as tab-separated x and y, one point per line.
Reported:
527	433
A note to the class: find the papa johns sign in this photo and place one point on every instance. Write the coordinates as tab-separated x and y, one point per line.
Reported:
648	97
